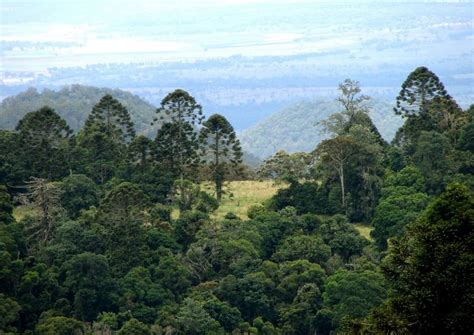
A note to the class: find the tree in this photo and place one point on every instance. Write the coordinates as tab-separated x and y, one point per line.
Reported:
78	192
96	154
419	88
294	274
448	117
402	200
43	136
286	167
188	196
431	269
357	164
122	215
12	170
184	114
112	118
342	237
89	283
9	310
134	327
334	155
299	316
228	317
351	295
45	198
59	325
124	202
221	149
431	155
354	104
309	247
167	146
192	318
173	275
466	137
426	106
141	152
6	207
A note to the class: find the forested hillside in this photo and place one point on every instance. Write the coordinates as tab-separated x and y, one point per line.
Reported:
73	103
105	231
296	127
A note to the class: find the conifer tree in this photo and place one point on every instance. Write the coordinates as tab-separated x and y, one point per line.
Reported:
112	118
420	87
221	149
182	146
43	136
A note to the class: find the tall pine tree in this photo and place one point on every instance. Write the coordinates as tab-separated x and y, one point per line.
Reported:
112	118
221	148
182	143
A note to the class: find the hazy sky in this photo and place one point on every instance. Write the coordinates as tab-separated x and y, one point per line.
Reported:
44	33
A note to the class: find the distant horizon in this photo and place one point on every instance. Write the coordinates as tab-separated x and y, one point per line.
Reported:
43	34
245	59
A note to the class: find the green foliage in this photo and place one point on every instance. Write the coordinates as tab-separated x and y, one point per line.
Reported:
420	87
78	192
291	128
6	207
255	210
286	167
89	284
308	197
309	247
351	295
141	151
342	237
188	196
134	327
99	247
299	316
59	325
466	138
73	103
45	199
121	213
431	267
401	202
111	118
192	318
221	150
177	140
9	311
431	157
43	136
11	170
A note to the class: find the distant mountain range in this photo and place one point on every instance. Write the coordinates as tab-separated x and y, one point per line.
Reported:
74	103
295	128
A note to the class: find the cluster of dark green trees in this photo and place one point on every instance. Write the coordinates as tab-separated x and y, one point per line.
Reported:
99	251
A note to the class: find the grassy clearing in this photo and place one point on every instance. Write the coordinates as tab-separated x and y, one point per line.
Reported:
364	230
21	211
245	193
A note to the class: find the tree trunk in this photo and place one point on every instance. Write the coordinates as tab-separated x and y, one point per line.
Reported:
341	177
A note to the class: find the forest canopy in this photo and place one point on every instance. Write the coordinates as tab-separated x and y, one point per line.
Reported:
104	230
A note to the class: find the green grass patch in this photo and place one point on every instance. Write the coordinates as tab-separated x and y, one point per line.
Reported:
20	212
242	194
364	230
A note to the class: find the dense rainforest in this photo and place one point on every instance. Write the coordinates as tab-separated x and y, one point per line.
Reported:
103	231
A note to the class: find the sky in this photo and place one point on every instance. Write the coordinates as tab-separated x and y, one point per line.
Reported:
44	33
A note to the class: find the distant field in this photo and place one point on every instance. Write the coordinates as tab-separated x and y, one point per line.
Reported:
245	194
